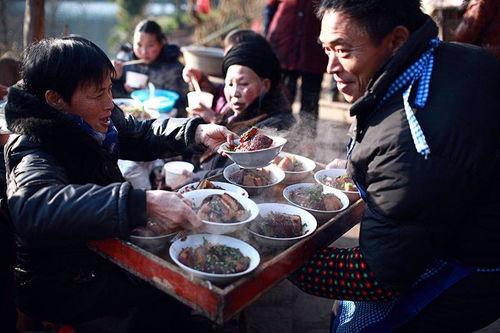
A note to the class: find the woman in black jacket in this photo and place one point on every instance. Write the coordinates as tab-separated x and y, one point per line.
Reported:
65	188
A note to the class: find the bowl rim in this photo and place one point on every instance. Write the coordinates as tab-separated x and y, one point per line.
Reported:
309	232
253	187
301	157
153	237
243	192
224	147
338	193
252	266
247	203
321	173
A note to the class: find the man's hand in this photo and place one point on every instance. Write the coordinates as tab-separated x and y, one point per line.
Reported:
337	164
3	91
171	210
212	136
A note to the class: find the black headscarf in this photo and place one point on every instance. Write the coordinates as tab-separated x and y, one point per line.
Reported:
258	56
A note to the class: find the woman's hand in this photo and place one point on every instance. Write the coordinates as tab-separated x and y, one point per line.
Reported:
212	136
337	164
188	73
171	210
118	68
203	111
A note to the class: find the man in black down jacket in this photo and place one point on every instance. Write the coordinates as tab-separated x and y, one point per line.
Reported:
426	199
65	188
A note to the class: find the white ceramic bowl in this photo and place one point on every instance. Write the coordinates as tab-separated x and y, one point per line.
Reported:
257	158
266	208
207	59
153	244
174	173
292	177
196	98
196	240
136	80
276	173
321	215
223	185
334	173
197	196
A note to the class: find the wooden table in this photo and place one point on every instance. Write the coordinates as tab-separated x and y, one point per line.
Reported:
220	304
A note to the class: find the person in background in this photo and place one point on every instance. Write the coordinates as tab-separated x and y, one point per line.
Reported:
293	33
480	25
214	113
161	63
64	188
426	167
254	96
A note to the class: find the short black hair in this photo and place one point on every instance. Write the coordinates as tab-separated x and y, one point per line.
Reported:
378	17
62	65
151	27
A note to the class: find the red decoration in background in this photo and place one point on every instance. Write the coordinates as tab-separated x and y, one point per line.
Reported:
203	6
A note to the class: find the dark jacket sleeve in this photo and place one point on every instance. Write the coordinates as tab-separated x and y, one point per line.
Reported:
408	205
48	211
146	140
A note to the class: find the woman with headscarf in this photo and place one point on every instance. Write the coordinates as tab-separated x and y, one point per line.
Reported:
253	93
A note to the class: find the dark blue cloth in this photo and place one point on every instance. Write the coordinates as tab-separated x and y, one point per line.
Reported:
108	141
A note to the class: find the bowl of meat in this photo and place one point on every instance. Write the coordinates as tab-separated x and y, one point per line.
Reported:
254	181
281	225
296	167
222	212
152	237
209	185
254	149
340	180
217	258
320	202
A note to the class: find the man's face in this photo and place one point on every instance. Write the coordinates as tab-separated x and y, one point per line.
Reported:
353	58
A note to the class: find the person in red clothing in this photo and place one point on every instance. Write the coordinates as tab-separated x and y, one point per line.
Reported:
481	25
293	33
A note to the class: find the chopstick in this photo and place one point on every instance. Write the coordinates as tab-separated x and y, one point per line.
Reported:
133	62
195	84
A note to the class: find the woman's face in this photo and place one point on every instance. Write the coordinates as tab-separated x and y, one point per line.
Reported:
146	46
243	86
93	103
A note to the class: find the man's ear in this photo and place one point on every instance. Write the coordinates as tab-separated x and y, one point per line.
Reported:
54	99
266	85
400	35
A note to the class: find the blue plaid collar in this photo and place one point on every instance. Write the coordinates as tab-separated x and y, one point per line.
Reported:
419	72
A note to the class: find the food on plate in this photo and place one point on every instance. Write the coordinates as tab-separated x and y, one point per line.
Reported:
252	140
202	185
289	163
344	183
133	111
221	208
152	229
280	225
314	198
216	259
253	177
